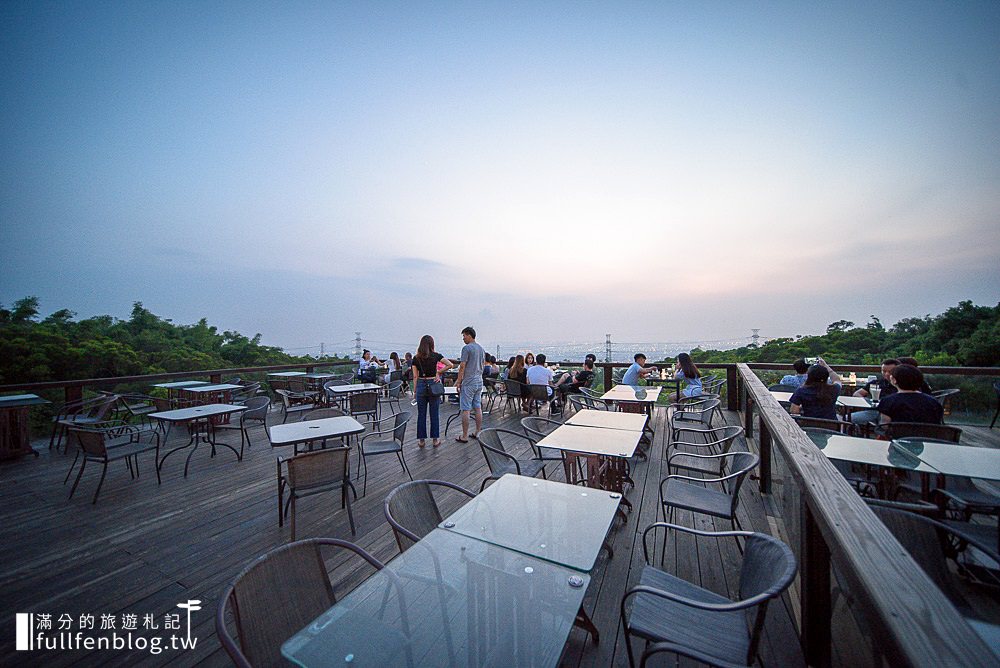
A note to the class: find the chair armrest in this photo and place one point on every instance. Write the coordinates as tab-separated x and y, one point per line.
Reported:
678	527
690	602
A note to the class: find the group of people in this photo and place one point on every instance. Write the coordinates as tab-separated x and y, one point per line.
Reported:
904	395
686	371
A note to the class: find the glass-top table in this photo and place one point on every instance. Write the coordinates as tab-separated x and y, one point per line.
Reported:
844	402
564	524
868	451
20	400
287	374
952	458
449	600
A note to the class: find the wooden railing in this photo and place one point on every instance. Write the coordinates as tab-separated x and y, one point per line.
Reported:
829	524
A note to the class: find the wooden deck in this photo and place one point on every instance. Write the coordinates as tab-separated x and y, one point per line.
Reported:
143	549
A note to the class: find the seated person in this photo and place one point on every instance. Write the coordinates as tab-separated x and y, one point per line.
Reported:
570	383
506	371
912	361
367	367
539	374
798	379
817	398
909	404
687	371
490	368
886	388
637	371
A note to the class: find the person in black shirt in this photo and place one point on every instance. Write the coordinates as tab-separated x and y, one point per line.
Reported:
571	383
912	361
909	404
886	388
425	371
817	398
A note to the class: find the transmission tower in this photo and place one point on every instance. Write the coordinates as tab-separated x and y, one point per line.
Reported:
322	349
607	347
357	345
498	351
755	339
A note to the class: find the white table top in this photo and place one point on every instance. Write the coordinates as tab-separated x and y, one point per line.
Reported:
196	412
222	387
608	420
452	391
628	393
356	387
287	374
593	441
181	383
314	430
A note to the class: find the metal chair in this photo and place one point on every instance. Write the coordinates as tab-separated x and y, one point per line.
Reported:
363	404
293	403
583	402
276	596
393	393
413	512
257	408
840	426
501	462
248	392
310	473
779	387
82	413
718	441
692	414
380	446
514	392
538	395
685	619
535	429
678	491
108	445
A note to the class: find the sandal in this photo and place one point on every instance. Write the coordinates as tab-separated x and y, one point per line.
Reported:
436	443
421	444
475	436
459	439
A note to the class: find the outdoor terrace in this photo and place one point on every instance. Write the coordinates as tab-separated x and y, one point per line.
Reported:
143	548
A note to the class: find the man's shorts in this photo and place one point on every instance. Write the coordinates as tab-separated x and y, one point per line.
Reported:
470	396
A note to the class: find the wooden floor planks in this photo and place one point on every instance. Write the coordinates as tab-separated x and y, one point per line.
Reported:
143	548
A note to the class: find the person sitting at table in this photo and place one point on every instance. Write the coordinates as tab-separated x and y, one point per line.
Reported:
366	374
539	374
798	378
912	361
529	359
506	370
689	373
886	388
490	369
637	370
569	383
392	364
909	403
817	398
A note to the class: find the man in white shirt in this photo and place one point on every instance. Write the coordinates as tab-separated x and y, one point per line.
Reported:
539	374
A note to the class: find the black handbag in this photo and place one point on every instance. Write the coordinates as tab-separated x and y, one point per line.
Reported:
436	388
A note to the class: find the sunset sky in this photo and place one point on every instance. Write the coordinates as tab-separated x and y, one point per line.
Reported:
663	171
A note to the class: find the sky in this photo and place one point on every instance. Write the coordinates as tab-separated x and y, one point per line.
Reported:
543	171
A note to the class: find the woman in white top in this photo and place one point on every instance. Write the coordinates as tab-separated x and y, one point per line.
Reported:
392	364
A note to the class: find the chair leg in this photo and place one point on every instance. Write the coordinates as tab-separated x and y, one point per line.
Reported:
293	515
73	466
78	476
483	486
350	512
403	462
104	472
628	644
281	502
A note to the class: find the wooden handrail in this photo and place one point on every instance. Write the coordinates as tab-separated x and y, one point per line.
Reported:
915	623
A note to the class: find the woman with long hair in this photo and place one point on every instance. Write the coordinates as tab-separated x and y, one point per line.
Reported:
529	359
392	364
689	373
519	373
817	398
425	371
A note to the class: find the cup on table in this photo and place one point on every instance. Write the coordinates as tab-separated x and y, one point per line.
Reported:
876	392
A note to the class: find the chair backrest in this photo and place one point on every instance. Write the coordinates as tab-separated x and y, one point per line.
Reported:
256	408
275	597
767	570
779	387
297	385
823	423
396	376
590	392
100	409
363	403
286	400
539	392
323	413
492	447
91	441
944	432
395	388
537	428
399	426
277	384
235	380
413	512
347	377
582	401
319	467
738	464
698	412
514	388
631	406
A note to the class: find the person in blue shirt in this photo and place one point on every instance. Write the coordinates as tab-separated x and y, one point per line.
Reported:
637	371
797	379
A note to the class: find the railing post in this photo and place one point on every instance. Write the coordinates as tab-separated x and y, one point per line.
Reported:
607	376
764	445
747	414
216	378
732	394
815	598
73	393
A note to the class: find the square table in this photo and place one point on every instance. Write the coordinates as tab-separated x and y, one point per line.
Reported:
607	420
632	393
220	393
870	452
287	374
953	459
173	388
192	415
15	439
309	431
448	600
564	524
